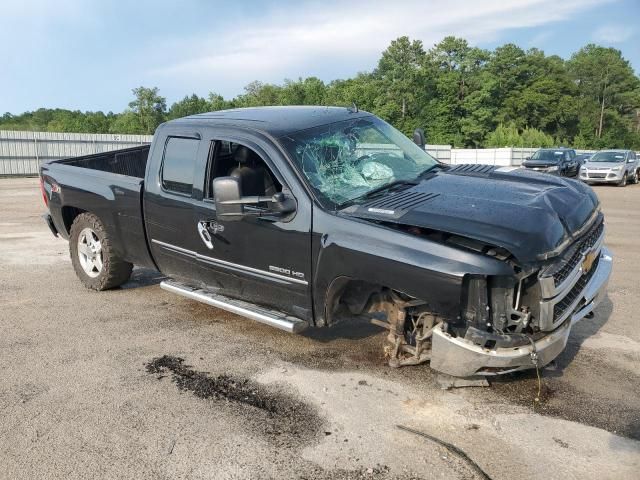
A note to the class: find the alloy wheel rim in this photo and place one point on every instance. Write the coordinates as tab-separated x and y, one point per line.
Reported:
90	252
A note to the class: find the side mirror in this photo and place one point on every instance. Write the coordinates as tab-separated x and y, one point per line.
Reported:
528	158
419	138
226	192
631	160
230	203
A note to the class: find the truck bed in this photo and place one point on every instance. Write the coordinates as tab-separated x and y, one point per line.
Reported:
128	161
108	184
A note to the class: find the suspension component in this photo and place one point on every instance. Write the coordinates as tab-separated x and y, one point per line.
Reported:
410	329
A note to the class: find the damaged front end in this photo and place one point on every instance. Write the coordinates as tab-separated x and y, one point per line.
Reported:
506	323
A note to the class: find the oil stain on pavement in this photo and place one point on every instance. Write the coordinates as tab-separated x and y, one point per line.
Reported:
278	414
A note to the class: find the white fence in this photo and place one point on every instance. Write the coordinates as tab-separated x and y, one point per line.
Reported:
440	152
22	152
495	156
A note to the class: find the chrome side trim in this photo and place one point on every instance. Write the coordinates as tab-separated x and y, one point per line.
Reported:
229	265
272	318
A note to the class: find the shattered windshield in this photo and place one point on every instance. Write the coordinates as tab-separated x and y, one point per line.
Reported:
346	160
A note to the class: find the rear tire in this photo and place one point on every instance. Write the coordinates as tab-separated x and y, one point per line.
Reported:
634	178
94	261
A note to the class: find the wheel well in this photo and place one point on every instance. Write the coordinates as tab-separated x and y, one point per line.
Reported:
69	214
353	294
348	297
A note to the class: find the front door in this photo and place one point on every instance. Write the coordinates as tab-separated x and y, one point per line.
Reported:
263	260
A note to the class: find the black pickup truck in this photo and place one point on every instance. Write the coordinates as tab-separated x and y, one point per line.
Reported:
309	216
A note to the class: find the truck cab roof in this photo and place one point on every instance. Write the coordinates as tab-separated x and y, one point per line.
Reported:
276	121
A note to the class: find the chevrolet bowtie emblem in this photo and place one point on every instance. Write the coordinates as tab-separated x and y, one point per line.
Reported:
587	263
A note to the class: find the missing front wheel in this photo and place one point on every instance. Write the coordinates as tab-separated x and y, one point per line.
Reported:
410	329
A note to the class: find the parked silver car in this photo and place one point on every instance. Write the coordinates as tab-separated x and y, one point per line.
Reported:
611	166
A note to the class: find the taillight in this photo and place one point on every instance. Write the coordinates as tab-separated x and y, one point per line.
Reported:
44	193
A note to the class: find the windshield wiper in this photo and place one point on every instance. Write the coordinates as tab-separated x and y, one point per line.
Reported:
431	169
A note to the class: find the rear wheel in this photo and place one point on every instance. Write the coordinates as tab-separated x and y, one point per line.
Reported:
94	261
634	177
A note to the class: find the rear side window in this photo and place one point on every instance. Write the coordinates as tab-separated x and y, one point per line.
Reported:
177	164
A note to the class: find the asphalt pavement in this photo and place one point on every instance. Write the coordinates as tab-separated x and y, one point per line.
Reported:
139	383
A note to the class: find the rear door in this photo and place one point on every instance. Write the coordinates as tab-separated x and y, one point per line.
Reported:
266	261
169	201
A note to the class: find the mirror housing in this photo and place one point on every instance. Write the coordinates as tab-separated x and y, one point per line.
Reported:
419	138
631	160
230	203
225	191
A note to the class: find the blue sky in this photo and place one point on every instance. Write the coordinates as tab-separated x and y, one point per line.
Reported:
89	54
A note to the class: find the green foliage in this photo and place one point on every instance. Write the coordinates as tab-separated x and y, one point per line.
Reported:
460	95
609	97
189	106
149	109
510	136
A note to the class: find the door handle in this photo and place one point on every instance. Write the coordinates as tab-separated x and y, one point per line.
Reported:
203	230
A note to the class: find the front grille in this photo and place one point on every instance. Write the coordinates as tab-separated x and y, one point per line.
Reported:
566	266
597	175
561	307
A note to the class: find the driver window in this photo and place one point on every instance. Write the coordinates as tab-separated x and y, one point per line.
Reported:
229	159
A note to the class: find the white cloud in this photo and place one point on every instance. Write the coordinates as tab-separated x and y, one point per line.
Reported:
540	38
334	36
613	33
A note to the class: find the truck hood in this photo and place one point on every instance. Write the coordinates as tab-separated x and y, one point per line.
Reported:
529	214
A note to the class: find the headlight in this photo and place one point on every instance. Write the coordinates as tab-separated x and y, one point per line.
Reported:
552	169
616	169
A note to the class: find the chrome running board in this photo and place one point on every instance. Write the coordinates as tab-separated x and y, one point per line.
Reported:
273	318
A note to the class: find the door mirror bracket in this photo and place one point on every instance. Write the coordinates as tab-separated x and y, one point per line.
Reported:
230	203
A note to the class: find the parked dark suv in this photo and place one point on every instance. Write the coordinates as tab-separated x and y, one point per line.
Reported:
556	161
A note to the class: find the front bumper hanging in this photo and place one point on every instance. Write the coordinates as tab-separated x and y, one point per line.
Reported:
458	357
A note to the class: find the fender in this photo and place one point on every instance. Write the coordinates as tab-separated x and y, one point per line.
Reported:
376	254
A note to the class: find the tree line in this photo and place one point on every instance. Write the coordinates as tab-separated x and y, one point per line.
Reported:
459	94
